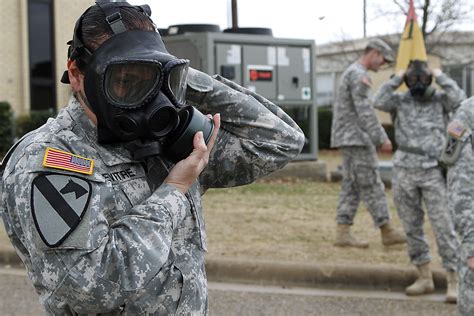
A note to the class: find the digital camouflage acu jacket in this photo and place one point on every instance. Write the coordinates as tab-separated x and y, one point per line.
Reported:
118	240
461	175
354	122
420	125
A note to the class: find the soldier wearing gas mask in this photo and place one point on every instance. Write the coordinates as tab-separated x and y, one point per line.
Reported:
458	155
420	117
103	202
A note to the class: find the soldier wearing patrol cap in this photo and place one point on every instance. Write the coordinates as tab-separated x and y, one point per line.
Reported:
420	117
103	203
357	132
458	155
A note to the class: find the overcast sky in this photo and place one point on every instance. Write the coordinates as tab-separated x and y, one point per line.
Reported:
321	20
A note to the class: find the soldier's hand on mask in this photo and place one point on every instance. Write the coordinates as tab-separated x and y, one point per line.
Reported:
470	263
437	72
386	147
185	172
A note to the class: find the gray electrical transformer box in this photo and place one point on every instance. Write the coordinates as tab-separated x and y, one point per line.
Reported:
281	70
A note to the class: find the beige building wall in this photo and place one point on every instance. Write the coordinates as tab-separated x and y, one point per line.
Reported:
14	58
14	80
66	13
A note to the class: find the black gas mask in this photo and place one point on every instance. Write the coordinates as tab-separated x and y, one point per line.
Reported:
418	79
137	91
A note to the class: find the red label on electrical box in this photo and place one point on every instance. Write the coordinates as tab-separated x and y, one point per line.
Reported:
260	74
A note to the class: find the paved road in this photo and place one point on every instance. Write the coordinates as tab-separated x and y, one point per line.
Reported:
18	298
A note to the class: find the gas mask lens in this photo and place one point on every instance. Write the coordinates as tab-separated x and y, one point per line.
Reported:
130	84
176	71
413	79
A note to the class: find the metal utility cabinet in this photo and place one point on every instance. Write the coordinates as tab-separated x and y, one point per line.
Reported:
282	70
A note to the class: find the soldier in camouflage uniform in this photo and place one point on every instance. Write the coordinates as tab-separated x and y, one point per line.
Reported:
420	117
101	231
357	132
459	157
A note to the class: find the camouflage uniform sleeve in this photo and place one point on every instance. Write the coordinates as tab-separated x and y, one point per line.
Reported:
256	136
363	106
460	184
461	178
452	95
101	264
386	99
465	113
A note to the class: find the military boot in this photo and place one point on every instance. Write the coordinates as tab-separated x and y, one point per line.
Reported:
344	238
424	284
391	236
452	283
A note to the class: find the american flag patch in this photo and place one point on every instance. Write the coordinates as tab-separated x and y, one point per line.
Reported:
456	130
58	159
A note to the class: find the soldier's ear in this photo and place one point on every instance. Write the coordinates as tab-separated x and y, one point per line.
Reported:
75	75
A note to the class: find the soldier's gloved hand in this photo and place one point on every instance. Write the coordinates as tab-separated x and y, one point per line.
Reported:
185	172
386	147
470	263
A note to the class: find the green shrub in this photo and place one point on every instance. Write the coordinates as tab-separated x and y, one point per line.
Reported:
6	128
29	122
324	127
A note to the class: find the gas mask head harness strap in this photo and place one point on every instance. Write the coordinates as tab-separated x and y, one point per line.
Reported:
136	89
78	51
418	79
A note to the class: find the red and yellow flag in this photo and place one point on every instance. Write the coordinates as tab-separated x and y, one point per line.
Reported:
412	44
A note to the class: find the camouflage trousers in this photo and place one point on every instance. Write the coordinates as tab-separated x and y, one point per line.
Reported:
411	187
361	181
466	285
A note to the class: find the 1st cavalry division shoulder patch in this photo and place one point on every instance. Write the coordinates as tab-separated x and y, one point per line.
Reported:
59	203
58	159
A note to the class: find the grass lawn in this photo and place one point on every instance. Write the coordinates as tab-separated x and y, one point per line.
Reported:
294	221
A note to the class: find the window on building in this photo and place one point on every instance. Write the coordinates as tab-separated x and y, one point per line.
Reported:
463	75
41	53
326	84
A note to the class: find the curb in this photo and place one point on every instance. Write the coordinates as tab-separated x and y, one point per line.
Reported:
8	256
263	272
315	275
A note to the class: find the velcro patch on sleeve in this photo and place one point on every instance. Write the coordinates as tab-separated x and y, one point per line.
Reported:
58	159
456	130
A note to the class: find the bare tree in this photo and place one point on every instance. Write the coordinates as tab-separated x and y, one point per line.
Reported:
434	16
